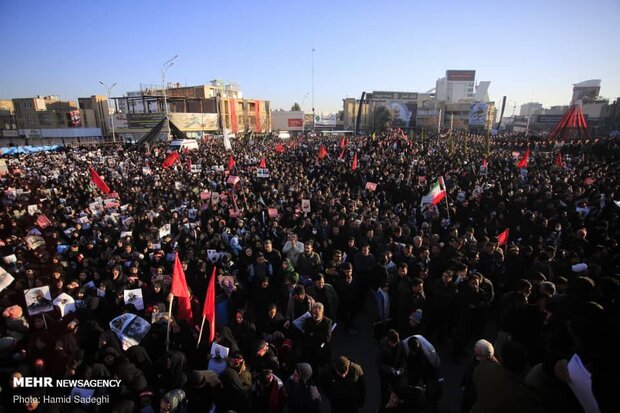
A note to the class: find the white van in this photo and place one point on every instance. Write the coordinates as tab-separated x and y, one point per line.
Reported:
180	145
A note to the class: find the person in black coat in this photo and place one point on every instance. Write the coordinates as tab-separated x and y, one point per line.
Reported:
317	334
303	395
344	384
263	357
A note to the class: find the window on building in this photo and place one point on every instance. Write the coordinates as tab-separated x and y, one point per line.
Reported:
44	118
30	119
27	105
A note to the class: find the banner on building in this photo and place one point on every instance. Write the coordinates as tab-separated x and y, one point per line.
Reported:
75	119
478	114
325	120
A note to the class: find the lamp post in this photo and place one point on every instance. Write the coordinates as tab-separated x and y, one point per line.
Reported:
313	113
164	68
109	89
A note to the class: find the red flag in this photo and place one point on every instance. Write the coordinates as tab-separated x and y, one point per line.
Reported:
341	156
523	162
502	238
263	163
231	163
322	152
98	181
186	150
179	285
484	162
208	311
342	143
279	148
170	160
185	309
354	165
558	160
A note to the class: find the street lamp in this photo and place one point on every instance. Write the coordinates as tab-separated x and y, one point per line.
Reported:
313	113
109	89
164	68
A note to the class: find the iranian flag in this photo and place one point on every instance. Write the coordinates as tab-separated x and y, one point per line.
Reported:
438	191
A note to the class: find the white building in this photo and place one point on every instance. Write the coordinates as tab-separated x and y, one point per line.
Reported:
530	108
460	86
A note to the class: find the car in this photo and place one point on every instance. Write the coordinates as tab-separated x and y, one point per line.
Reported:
180	145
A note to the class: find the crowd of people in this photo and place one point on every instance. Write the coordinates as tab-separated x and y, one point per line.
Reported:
514	273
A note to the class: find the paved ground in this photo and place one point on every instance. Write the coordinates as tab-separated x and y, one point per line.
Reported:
362	348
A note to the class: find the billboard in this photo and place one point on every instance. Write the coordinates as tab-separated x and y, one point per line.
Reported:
288	120
194	121
120	120
461	75
325	120
75	119
403	113
143	120
379	95
478	114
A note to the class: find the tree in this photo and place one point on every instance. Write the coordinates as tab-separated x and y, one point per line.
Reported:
383	118
296	107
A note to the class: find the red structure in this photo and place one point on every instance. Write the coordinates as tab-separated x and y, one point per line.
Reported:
572	120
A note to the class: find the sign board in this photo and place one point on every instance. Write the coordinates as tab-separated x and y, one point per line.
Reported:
262	173
461	75
382	95
371	186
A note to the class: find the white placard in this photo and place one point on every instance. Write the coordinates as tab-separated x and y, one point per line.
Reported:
164	231
65	303
134	297
5	279
39	300
262	172
299	322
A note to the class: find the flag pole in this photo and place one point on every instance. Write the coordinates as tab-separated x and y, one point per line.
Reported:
44	321
169	321
445	188
200	334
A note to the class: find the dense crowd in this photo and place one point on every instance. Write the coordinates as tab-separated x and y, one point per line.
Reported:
301	251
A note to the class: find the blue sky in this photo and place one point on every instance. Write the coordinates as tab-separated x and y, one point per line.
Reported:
528	49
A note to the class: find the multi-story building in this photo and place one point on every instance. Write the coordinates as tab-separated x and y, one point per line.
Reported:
48	120
8	125
195	110
351	107
530	108
457	86
95	113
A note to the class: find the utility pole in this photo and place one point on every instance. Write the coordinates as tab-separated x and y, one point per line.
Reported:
313	112
164	68
109	89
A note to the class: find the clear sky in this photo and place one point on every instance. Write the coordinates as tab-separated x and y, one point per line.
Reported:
529	50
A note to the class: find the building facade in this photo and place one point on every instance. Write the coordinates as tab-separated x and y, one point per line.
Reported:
530	108
196	110
49	120
457	86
